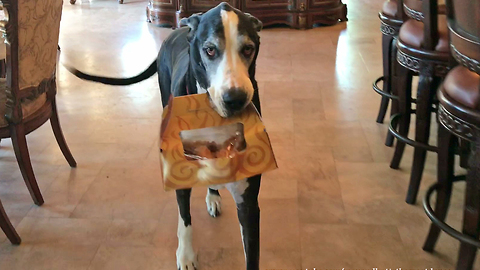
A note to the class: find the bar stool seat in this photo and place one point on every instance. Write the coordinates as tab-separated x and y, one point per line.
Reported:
412	34
461	85
390	8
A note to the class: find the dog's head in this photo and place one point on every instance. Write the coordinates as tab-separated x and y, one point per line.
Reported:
224	45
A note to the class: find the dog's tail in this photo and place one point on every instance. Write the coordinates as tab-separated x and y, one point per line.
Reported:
152	69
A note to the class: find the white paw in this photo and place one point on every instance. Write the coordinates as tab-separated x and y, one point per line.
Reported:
186	258
214	204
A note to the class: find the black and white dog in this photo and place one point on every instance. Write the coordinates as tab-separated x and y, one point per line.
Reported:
215	54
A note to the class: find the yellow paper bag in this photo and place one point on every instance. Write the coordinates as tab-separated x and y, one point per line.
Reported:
190	120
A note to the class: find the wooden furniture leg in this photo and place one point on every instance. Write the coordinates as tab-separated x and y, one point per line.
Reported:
8	228
403	84
445	174
57	131
23	158
471	214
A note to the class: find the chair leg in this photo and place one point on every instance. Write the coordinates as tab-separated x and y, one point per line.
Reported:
445	174
8	228
387	42
395	105
471	214
403	86
57	131
464	153
394	110
425	93
23	158
3	68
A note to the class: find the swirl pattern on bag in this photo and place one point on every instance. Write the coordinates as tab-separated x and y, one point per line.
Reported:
194	112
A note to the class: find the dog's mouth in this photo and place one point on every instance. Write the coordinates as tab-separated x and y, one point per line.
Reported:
222	111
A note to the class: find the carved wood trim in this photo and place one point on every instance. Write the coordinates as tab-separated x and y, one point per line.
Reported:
416	15
388	30
417	64
48	86
13	110
268	11
466	61
457	126
408	61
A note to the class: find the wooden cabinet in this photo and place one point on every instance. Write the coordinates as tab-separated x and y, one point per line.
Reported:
259	5
204	5
299	14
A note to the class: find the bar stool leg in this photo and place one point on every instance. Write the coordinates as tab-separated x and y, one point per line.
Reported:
464	153
426	90
445	174
403	87
471	214
395	106
387	42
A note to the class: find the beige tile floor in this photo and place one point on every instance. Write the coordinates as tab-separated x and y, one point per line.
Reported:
334	202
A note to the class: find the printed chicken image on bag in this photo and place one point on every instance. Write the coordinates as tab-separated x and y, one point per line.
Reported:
199	148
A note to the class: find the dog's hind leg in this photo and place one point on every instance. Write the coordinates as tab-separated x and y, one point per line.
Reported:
245	194
214	202
186	258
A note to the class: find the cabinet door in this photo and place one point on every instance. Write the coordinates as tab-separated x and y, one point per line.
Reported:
204	5
323	3
256	5
164	4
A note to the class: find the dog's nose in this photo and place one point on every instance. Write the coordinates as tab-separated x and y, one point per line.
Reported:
234	99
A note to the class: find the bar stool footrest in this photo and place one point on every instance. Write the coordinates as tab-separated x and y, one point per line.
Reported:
442	225
377	89
407	140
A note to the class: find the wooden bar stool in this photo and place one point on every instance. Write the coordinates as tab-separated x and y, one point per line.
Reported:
391	20
459	115
392	16
422	48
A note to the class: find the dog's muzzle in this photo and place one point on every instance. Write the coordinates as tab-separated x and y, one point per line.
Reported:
235	100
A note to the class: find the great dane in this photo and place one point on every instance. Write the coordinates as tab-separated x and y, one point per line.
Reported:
215	54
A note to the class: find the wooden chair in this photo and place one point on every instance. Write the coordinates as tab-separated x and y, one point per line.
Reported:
459	117
5	223
422	48
27	95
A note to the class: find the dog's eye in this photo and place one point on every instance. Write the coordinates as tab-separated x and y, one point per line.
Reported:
247	51
210	51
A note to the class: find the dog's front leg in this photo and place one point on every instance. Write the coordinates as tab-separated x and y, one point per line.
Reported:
186	258
245	194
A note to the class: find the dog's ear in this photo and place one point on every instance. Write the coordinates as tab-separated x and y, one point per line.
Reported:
191	21
257	24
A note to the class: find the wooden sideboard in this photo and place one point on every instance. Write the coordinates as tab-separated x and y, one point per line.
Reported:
300	14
